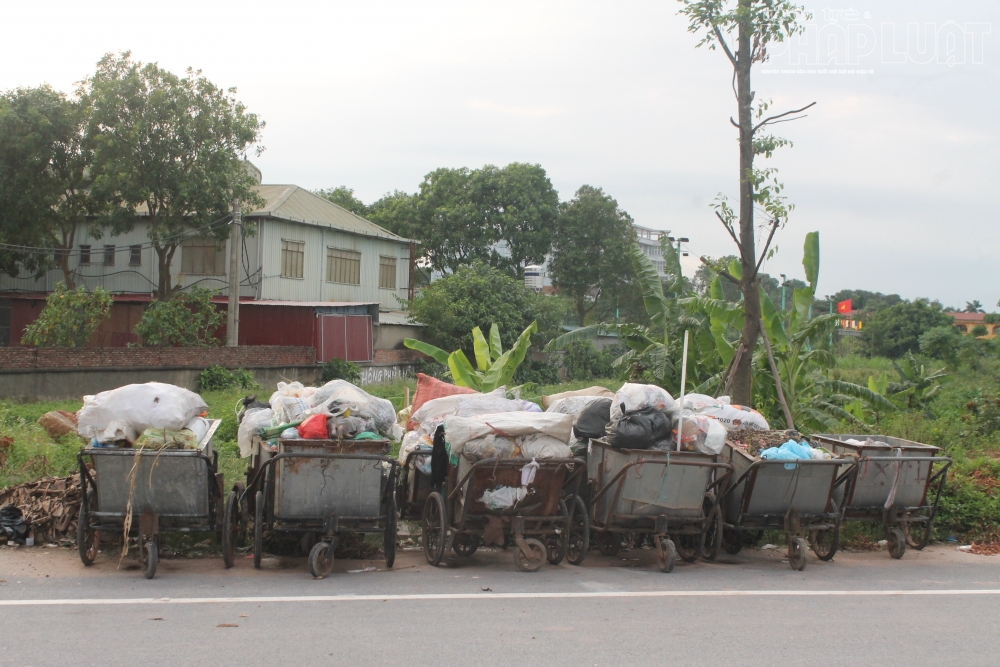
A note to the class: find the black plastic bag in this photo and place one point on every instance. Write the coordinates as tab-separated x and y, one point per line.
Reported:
593	421
641	429
12	523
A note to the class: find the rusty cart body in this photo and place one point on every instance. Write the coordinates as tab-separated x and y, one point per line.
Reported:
673	496
799	497
327	488
892	483
145	492
549	524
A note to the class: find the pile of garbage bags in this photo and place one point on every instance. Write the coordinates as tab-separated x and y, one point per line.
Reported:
153	415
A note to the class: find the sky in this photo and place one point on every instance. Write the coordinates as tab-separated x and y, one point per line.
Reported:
896	166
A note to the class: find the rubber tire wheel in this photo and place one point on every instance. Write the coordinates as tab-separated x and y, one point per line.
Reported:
922	537
258	529
578	540
667	558
608	543
711	539
321	559
534	561
897	543
434	528
732	541
797	554
88	540
465	545
557	543
230	529
390	535
688	547
150	558
825	550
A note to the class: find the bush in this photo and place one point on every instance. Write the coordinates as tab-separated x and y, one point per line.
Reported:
338	369
188	319
538	372
583	361
217	378
896	330
70	317
979	330
941	343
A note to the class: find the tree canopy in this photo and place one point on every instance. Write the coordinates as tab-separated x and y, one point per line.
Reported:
343	196
896	330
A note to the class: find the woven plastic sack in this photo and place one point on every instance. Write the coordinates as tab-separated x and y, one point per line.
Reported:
141	406
429	388
589	391
640	396
541	446
460	430
432	413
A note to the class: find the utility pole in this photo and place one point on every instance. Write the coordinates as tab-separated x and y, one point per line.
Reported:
235	238
830	299
784	284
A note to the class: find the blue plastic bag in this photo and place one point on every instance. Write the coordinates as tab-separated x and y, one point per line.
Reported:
789	451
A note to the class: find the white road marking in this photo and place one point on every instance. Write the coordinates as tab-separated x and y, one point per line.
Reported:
495	596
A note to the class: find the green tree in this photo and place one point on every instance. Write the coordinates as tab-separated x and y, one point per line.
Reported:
480	296
343	197
744	30
45	169
941	343
590	250
894	331
974	307
171	147
188	319
70	317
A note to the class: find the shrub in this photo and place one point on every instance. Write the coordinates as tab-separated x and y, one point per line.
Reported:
583	361
188	319
538	372
338	369
70	317
979	330
217	378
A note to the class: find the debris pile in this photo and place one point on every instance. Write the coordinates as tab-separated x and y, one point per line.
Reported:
50	505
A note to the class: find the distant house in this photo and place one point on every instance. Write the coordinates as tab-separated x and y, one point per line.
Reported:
303	249
966	322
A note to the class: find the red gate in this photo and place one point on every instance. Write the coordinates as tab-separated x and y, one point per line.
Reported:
347	337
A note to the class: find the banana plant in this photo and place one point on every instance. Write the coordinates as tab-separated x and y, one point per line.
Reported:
919	384
495	369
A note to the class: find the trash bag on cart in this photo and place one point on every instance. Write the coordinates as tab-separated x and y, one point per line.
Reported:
633	397
541	446
647	428
430	388
253	419
701	433
730	416
433	413
141	406
460	430
593	420
600	392
334	396
490	447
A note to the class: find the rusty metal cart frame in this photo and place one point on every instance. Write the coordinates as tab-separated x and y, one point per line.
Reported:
189	499
892	486
273	487
553	511
413	488
758	500
690	525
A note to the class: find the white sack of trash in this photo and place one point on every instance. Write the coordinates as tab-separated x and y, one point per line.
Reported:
125	412
460	430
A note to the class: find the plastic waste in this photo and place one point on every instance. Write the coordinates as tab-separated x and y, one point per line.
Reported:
253	419
788	451
542	446
598	391
730	416
639	429
531	406
639	396
337	395
701	433
528	472
460	430
490	447
141	406
166	438
12	524
593	420
503	497
314	428
290	434
430	388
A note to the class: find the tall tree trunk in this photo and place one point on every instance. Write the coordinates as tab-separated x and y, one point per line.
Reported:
68	239
164	257
742	378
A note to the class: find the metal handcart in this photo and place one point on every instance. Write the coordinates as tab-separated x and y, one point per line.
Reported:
326	487
799	497
158	490
549	523
673	496
891	484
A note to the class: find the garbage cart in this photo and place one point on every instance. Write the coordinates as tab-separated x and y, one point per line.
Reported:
547	522
326	487
143	492
799	497
673	496
892	481
414	484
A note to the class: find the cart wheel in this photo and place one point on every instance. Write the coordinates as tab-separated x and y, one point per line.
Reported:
667	557
230	529
688	547
579	534
557	543
466	544
434	528
711	539
389	535
609	543
918	534
530	562
797	553
320	560
825	543
897	543
258	529
732	541
150	557
87	539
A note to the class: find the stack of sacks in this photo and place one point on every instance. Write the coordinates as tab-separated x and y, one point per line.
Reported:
529	435
125	414
638	417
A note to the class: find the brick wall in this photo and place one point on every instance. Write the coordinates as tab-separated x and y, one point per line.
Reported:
398	356
136	357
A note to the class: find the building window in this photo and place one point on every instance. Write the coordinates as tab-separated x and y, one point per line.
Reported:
4	322
109	255
293	254
387	272
135	255
84	255
200	257
343	266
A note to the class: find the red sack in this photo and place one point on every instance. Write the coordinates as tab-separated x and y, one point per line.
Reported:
429	388
314	428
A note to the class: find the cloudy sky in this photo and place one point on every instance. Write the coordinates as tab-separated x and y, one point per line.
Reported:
896	165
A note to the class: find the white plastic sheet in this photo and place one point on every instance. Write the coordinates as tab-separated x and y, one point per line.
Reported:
638	396
459	430
730	416
141	406
253	419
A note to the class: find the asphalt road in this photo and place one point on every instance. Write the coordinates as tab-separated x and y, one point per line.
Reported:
937	607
